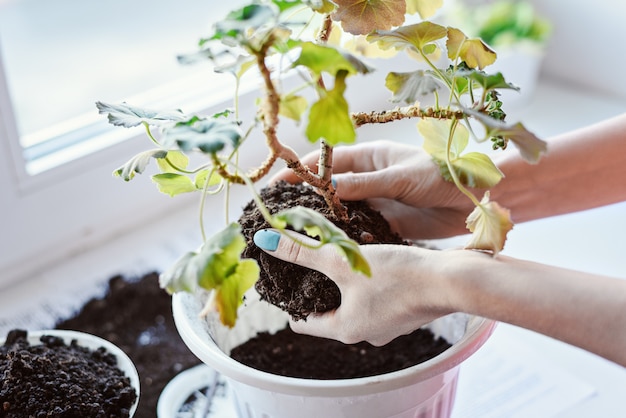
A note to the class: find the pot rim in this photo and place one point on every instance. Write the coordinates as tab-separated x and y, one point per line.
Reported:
92	342
478	331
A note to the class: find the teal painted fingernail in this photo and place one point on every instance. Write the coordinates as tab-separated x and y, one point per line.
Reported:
334	182
266	239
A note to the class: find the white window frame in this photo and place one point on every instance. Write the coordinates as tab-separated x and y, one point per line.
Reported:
67	209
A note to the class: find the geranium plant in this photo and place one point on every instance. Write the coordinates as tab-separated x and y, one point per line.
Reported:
249	40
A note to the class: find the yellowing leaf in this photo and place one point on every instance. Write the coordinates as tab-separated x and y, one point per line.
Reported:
489	224
292	106
320	58
360	17
229	296
473	169
323	6
476	169
436	133
173	162
474	52
407	87
418	36
530	146
425	8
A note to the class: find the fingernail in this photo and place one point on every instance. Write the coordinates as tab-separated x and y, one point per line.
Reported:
266	239
334	182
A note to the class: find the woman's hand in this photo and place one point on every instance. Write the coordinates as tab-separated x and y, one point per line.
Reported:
411	286
402	182
405	291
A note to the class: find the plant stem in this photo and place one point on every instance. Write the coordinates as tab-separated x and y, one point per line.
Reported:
362	118
453	174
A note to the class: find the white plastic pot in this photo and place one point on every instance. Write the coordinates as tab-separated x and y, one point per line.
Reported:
426	390
124	363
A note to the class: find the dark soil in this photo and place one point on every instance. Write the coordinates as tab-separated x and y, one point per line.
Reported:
295	289
289	354
136	315
56	380
301	291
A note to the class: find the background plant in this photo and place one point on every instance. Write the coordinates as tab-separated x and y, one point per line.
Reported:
269	38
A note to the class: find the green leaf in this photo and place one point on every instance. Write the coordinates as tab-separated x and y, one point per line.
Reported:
416	36
316	225
130	116
329	117
177	158
174	184
320	58
208	135
487	81
245	19
180	277
219	256
407	87
138	163
360	17
286	4
217	266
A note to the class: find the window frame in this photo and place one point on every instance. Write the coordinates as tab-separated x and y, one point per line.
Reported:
55	214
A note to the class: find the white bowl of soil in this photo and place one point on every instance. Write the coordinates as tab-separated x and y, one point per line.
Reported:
66	371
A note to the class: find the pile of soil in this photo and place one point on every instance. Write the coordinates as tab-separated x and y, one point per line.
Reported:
53	379
136	315
298	290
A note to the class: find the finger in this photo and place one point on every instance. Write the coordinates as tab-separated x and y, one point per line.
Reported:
369	185
316	324
290	248
309	160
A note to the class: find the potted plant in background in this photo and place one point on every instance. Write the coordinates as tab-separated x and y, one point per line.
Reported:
272	39
516	30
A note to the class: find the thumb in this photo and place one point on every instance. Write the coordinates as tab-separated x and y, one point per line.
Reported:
298	249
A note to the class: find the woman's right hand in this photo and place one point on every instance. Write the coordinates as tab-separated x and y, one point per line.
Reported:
400	181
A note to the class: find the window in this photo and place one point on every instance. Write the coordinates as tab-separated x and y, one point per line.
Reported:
57	58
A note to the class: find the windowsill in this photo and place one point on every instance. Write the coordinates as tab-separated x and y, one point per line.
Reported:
58	291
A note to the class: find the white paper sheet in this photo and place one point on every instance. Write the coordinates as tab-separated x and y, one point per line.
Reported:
508	379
